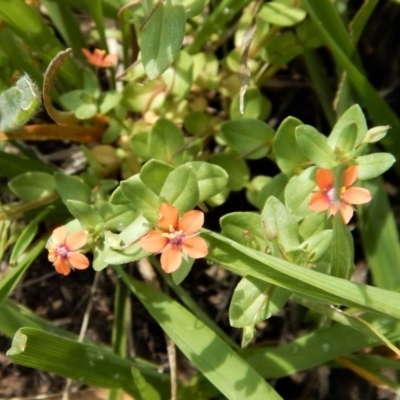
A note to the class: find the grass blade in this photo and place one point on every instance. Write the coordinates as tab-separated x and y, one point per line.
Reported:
207	351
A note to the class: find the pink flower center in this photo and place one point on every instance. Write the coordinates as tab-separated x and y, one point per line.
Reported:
331	195
175	237
62	251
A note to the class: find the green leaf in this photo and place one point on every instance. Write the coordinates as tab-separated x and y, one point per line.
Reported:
194	7
317	245
274	187
99	254
245	228
182	272
347	139
16	54
281	14
342	254
71	188
135	230
179	76
146	391
256	106
31	186
181	189
14	276
166	141
237	169
26	237
19	104
316	285
74	99
109	101
254	187
346	319
283	48
298	192
210	178
162	37
289	156
141	197
380	237
67	25
90	84
312	224
12	165
88	363
255	300
197	122
28	23
249	137
353	115
373	165
309	36
118	198
154	174
86	111
84	213
117	217
318	347
117	257
219	363
315	146
218	17
280	225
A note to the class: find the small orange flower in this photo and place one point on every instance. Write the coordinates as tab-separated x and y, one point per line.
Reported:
63	250
99	59
177	237
328	199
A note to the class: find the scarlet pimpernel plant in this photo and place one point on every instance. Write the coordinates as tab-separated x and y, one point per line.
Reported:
203	188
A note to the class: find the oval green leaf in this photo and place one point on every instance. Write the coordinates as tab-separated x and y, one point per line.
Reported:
162	36
210	178
181	189
251	138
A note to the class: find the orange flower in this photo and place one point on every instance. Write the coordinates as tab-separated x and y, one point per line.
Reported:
99	59
63	250
177	237
328	199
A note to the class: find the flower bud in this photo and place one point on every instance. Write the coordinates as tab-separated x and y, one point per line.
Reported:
375	134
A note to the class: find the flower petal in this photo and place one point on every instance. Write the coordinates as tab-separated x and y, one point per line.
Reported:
75	240
171	259
62	267
52	257
169	216
109	60
87	54
191	222
319	202
346	211
78	261
58	236
195	247
350	176
153	242
98	58
324	179
332	210
356	195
